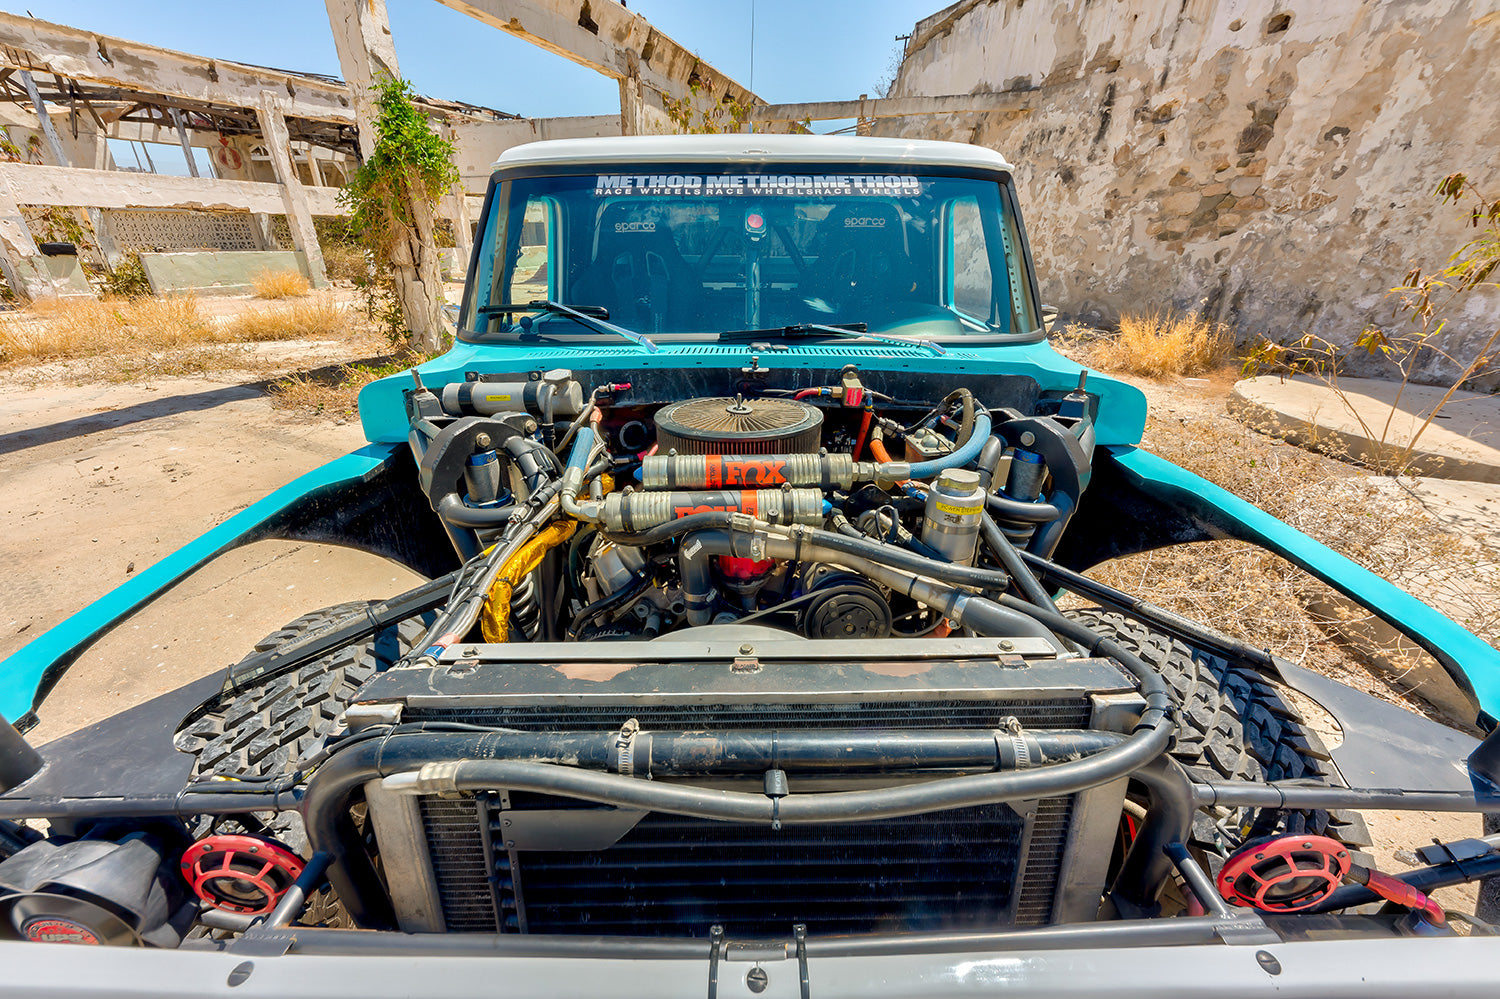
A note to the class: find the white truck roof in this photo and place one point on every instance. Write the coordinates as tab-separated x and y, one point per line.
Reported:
751	149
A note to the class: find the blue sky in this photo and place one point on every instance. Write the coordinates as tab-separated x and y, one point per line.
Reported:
804	51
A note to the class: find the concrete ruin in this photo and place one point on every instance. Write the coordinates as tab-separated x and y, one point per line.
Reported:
1271	164
275	146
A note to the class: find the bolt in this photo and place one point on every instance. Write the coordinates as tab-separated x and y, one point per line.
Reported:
745	650
1006	645
482	442
1028	438
530	426
471	651
510	844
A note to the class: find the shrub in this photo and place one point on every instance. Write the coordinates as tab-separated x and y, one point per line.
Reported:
280	284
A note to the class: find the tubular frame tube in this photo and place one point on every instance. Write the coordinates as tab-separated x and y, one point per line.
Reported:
1169	821
1184	931
1296	798
19	761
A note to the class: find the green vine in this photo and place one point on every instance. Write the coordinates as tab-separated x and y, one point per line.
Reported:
392	200
724	115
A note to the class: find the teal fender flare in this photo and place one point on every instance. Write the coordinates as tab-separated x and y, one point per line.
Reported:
27	675
1473	663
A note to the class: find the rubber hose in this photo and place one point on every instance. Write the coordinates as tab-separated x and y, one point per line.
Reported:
966	452
1153	687
606	604
988	462
1020	572
813	808
946	599
454	511
1027	513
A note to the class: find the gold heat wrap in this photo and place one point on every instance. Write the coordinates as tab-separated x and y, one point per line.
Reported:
494	618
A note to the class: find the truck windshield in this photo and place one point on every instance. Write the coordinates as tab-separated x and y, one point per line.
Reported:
696	254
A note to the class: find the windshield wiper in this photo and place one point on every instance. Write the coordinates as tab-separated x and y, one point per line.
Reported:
592	316
804	330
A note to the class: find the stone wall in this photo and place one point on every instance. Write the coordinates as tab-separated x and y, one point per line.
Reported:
1270	163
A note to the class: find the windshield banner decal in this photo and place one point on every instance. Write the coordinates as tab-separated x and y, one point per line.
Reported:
756	185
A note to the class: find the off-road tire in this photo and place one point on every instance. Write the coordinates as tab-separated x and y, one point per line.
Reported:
1233	724
270	726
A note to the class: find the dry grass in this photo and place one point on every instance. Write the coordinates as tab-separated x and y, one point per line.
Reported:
315	319
335	392
1158	345
123	340
280	284
1255	596
84	327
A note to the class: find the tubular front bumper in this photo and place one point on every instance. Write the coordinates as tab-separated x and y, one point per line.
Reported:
1255	963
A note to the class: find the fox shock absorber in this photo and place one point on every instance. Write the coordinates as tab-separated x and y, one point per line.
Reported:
727	471
643	510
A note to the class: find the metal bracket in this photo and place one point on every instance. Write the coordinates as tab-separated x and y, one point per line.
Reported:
799	933
715	948
1245	929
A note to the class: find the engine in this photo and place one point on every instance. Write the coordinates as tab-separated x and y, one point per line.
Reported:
940	475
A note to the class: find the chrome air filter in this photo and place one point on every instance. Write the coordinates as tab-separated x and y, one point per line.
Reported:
738	426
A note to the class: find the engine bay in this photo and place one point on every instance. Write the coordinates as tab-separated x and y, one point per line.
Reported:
940	475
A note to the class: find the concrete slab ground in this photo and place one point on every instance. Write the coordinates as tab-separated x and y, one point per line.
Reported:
100	481
1461	442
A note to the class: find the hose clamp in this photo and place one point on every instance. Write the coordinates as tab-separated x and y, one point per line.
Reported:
1010	736
625	747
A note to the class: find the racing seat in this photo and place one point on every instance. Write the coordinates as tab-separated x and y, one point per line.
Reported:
863	268
636	271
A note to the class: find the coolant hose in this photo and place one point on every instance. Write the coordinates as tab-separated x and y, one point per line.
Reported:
454	511
494	616
988	462
447	777
966	452
985	616
1020	572
1019	510
572	477
439	764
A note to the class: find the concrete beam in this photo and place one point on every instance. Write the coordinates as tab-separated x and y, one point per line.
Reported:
607	38
40	46
25	270
119	189
103	238
362	36
294	195
893	107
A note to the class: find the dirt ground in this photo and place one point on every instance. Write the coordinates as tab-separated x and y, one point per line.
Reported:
100	480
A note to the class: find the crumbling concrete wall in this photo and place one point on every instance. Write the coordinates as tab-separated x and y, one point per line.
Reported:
1270	163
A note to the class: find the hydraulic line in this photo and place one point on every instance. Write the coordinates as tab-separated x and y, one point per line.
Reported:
494	618
965	453
1020	574
831	541
986	616
604	605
